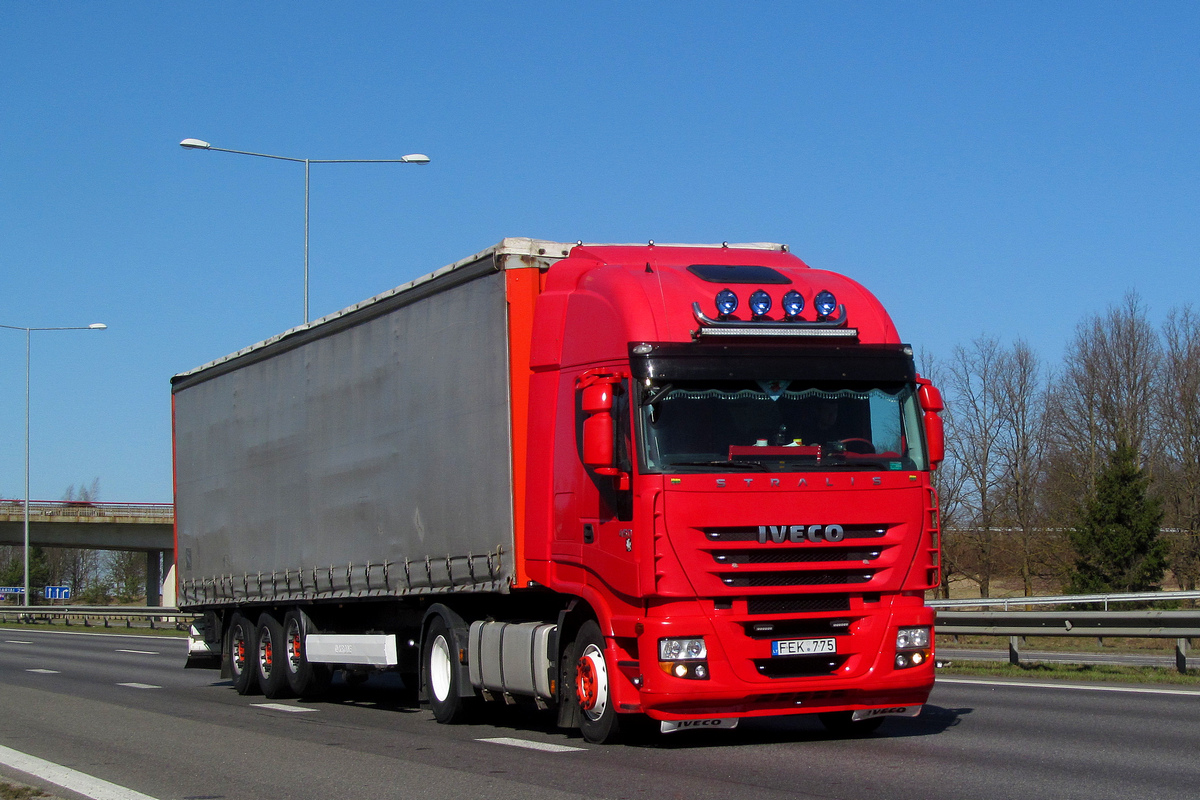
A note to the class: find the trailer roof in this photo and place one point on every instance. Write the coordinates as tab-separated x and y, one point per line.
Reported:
531	253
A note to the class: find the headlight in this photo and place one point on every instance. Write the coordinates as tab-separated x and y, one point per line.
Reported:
691	649
912	638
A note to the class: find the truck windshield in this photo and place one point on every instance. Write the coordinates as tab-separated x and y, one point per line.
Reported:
779	426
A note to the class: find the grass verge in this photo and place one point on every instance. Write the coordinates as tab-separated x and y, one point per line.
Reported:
1110	673
13	791
121	630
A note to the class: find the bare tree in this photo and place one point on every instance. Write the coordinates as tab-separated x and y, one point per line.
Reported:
973	443
1178	434
1105	392
1020	447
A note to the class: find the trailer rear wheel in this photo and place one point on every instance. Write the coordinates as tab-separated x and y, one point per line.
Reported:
242	648
304	678
441	675
593	690
271	650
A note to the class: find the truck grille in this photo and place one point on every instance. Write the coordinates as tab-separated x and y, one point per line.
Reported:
797	603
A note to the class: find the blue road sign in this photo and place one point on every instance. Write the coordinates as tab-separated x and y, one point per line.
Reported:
57	593
12	590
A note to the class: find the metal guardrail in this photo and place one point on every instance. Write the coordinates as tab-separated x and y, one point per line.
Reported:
107	616
1181	626
1065	599
74	508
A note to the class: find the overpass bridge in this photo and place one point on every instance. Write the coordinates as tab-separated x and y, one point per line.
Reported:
139	527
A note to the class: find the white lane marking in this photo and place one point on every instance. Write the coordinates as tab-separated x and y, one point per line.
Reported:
68	778
282	707
140	652
528	745
14	641
140	685
1075	686
45	671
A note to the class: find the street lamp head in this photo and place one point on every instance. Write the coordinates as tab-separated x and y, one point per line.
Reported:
195	144
415	158
97	326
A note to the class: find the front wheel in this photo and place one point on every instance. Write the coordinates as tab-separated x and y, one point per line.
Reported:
593	690
441	675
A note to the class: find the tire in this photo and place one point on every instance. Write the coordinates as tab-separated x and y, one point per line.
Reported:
593	690
271	653
440	675
304	678
242	647
841	723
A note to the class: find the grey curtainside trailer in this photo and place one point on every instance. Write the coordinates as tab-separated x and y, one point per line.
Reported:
366	454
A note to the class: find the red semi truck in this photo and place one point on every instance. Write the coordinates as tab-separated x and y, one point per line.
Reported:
653	487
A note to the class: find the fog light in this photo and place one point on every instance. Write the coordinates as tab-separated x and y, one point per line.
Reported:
901	661
701	671
727	302
760	303
918	658
825	303
681	670
793	304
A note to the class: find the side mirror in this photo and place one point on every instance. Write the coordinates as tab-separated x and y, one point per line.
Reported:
935	433
598	438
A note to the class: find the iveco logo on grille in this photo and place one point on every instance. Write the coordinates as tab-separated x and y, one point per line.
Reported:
800	533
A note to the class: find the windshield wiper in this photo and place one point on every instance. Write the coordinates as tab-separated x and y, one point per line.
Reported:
747	464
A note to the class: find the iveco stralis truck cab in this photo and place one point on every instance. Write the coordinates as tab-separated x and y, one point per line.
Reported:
729	464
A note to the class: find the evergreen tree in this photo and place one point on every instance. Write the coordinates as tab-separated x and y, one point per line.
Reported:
1116	541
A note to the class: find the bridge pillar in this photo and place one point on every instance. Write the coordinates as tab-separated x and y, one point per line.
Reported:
154	578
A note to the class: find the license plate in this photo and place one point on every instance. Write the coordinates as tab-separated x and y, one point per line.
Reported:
803	647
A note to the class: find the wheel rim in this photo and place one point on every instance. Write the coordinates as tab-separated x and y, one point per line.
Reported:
266	652
439	668
295	645
239	650
591	682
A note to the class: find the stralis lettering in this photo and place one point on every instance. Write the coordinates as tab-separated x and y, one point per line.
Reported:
800	533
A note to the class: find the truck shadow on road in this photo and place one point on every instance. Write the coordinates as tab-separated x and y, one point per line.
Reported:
807	728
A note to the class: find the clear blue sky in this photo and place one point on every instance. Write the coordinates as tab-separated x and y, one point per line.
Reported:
1000	168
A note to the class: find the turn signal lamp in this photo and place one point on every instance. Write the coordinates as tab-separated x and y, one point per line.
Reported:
793	304
760	303
727	302
825	303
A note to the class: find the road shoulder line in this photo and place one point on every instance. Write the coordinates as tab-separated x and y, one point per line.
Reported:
1073	686
67	778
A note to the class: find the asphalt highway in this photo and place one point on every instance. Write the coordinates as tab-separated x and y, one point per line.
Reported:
123	710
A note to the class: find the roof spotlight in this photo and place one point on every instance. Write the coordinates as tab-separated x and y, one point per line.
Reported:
793	304
727	302
760	303
825	303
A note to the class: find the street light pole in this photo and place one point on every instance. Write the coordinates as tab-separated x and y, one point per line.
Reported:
412	158
95	326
